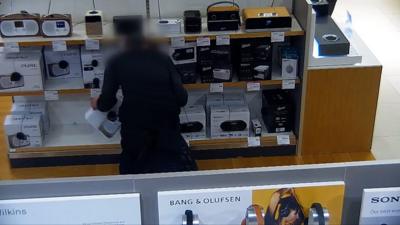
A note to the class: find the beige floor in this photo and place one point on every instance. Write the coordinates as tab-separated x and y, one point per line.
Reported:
378	23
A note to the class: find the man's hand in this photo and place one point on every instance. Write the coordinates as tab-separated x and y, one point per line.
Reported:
93	102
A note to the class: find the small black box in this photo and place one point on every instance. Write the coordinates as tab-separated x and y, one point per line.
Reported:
330	39
321	7
128	25
192	21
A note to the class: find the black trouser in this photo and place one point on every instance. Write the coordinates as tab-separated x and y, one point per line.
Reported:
153	150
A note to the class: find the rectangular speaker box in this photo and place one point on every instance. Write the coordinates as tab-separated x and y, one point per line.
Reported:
94	22
56	25
331	40
222	18
21	24
266	18
192	21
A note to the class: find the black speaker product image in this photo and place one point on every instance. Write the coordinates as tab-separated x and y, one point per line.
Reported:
190	127
192	21
330	39
223	18
128	25
187	53
277	110
233	125
187	72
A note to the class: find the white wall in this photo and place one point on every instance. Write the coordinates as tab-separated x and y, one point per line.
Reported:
110	8
77	8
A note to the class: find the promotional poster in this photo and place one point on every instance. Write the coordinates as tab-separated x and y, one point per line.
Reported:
286	204
118	209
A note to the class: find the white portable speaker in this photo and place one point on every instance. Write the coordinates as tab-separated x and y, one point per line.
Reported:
21	24
56	25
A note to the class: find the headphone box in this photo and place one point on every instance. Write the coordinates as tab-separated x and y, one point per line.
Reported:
21	71
192	21
63	65
128	24
259	19
94	22
93	66
330	39
289	62
23	131
56	25
229	121
21	24
193	122
33	109
223	18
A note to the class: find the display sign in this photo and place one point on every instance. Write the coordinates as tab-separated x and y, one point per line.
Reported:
227	206
59	46
92	44
380	206
277	37
118	209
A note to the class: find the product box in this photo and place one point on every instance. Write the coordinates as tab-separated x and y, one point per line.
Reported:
23	131
193	122
21	71
93	66
289	62
33	108
229	121
107	123
63	64
215	99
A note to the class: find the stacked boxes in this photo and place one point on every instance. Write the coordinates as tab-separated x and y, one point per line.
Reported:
23	131
255	60
277	111
214	63
64	64
34	109
21	71
184	59
193	122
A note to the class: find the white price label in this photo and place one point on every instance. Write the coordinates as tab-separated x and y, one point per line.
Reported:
92	44
178	42
11	47
288	84
51	95
283	139
203	41
253	86
223	40
217	87
253	141
277	36
59	46
95	92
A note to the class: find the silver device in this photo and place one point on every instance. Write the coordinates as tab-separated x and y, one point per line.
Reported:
14	80
318	215
18	140
21	24
110	126
59	69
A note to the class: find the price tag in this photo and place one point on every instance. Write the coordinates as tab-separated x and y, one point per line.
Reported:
59	46
288	84
223	40
92	44
203	41
11	150
95	92
51	95
283	139
253	86
11	47
217	87
277	36
178	42
253	141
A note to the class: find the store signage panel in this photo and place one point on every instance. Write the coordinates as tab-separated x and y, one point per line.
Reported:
227	206
380	206
118	209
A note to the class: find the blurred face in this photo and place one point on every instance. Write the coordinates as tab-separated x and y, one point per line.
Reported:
291	218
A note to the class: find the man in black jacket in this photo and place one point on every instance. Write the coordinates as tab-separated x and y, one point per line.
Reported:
152	96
